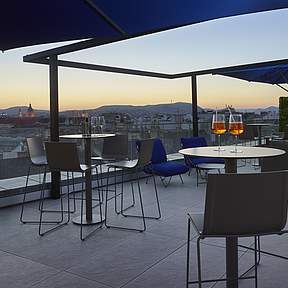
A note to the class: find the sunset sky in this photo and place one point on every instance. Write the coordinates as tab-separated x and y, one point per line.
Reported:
224	42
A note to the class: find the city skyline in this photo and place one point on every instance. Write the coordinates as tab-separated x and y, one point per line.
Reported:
224	42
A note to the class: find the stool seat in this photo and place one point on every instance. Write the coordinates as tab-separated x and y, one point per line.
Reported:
39	160
128	164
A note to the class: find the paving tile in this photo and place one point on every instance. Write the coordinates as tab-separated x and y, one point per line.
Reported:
121	263
68	280
171	272
62	248
20	272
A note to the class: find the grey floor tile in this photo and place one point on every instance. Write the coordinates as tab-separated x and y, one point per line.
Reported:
171	272
272	272
68	280
124	262
63	248
19	272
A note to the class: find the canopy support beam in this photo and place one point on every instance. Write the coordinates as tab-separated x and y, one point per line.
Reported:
280	86
194	105
54	120
104	16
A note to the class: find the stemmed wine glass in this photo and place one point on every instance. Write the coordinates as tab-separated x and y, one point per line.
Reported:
236	128
218	128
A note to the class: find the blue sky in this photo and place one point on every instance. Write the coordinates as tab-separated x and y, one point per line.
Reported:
223	42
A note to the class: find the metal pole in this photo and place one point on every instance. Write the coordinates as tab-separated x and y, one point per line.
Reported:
54	119
194	105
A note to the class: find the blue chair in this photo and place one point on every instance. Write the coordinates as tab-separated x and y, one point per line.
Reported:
200	163
161	167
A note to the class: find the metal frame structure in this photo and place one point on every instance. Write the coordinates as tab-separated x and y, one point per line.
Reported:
50	57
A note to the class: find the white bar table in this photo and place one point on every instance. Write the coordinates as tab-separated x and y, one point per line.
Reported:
89	218
231	167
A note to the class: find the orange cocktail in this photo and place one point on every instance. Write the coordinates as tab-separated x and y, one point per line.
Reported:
236	128
218	128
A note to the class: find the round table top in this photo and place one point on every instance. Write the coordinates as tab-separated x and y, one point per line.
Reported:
246	152
86	136
258	124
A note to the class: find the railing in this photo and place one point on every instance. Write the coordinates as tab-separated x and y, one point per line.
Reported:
13	151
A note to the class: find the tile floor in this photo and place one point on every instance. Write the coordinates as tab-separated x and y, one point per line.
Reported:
116	258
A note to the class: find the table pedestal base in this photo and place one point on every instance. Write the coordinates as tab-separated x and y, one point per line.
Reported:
96	219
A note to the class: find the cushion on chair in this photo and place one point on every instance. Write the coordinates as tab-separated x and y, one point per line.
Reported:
199	160
192	142
170	168
159	153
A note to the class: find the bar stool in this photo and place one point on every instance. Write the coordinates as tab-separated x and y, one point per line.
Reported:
227	214
136	166
38	160
64	157
113	149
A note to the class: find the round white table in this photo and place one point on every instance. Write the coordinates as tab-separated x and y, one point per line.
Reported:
89	218
231	167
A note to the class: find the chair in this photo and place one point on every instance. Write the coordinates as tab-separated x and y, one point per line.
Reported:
200	163
267	164
249	136
160	166
64	157
278	163
37	156
113	149
134	166
240	205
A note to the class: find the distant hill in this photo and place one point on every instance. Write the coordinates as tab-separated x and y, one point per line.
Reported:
134	110
14	111
259	110
171	108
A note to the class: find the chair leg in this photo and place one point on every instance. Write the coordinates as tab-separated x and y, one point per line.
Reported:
141	202
74	198
82	236
181	178
199	263
22	220
101	181
142	216
24	199
256	260
157	201
163	181
188	254
60	223
122	195
157	197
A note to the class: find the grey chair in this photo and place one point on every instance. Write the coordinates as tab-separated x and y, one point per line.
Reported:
38	160
240	205
134	166
64	157
113	149
270	164
275	163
